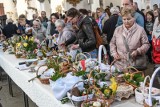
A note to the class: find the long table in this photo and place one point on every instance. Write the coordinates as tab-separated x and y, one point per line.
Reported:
39	93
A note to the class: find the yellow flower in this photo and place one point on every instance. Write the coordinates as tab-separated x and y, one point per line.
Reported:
113	85
25	44
18	44
26	38
32	38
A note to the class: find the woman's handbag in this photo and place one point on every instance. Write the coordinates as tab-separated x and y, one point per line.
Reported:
141	60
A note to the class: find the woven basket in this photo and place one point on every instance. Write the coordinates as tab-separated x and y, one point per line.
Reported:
43	80
104	102
132	74
77	100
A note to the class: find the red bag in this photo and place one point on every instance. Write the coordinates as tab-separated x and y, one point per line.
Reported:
156	50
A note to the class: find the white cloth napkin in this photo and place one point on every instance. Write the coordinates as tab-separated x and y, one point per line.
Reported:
22	67
63	85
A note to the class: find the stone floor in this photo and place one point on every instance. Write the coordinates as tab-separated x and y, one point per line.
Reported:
5	98
17	100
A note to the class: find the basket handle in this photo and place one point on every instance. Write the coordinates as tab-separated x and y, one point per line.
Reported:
90	75
74	86
150	85
111	66
73	70
131	67
98	74
76	59
144	83
101	47
65	59
89	55
39	69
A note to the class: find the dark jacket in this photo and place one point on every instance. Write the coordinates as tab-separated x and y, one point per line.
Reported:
9	30
110	26
85	36
149	27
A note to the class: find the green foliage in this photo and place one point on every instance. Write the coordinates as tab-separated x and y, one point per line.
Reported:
80	73
56	76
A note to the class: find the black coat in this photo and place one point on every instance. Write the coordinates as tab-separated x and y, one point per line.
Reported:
9	30
110	26
85	36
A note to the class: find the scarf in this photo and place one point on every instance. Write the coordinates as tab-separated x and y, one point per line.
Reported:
100	21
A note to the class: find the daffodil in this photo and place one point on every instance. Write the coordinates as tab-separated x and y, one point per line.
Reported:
32	38
26	38
113	85
25	44
18	44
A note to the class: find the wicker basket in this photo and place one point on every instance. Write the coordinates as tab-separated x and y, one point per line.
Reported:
77	100
104	102
42	80
132	74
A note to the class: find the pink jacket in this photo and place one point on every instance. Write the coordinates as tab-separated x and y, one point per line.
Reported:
136	38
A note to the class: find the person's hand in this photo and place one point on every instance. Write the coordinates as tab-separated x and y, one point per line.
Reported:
75	46
116	57
134	54
55	35
150	32
18	31
63	44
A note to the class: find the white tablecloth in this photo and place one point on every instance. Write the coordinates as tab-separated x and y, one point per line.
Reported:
39	93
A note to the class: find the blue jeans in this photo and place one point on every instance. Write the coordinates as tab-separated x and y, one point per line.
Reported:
94	53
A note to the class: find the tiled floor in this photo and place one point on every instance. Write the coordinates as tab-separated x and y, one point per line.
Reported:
17	100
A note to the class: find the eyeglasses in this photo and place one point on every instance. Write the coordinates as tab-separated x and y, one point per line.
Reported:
125	4
98	12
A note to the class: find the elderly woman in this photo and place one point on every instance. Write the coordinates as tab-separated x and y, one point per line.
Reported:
38	30
65	33
130	35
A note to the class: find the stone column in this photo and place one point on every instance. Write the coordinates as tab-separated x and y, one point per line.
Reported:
95	5
9	9
21	7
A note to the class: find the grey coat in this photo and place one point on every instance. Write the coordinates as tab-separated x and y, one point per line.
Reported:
63	36
40	33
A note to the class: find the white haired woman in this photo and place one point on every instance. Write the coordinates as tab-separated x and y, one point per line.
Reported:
65	34
39	31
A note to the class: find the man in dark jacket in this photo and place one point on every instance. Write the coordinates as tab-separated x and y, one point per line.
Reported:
10	29
85	35
110	26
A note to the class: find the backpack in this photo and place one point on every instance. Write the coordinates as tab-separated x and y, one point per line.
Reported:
156	45
100	40
156	49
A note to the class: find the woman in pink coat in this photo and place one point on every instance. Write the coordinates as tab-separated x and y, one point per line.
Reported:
135	37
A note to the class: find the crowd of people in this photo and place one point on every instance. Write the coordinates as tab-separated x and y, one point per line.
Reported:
127	31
